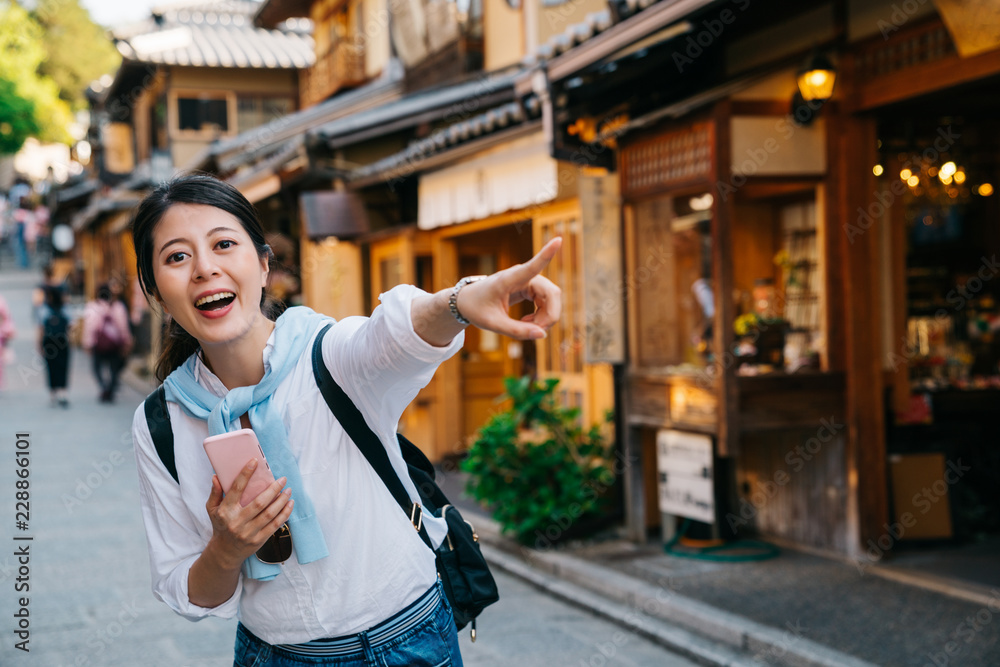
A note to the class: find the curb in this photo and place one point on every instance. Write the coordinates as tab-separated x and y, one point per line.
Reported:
706	634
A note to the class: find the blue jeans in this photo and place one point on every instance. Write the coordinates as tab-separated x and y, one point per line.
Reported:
431	643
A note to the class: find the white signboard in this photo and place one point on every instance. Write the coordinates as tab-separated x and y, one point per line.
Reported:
684	463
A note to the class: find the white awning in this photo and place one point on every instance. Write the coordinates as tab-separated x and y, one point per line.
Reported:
514	176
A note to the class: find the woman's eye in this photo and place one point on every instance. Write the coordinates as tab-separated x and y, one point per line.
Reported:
225	245
175	257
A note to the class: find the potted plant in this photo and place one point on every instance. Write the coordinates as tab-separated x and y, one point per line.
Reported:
544	476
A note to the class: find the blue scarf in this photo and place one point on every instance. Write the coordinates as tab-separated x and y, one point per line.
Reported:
292	333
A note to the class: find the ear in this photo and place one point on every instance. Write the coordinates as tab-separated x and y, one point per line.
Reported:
162	304
265	269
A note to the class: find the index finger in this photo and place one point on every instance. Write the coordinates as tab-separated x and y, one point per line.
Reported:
241	481
535	265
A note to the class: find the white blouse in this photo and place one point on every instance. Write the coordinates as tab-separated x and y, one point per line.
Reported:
377	564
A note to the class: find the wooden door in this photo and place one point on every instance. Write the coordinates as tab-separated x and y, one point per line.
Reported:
487	357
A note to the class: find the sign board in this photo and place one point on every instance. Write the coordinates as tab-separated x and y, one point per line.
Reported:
684	464
603	286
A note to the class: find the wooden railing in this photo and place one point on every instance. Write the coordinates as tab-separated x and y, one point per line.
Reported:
342	67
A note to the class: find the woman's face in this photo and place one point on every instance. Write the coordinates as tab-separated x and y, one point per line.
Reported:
208	275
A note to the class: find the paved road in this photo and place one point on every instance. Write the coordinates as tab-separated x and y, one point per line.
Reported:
89	601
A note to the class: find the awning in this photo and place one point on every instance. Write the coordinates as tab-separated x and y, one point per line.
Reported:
655	18
521	175
460	100
501	124
101	207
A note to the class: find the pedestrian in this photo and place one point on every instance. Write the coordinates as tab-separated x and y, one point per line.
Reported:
106	334
49	282
359	586
19	200
54	346
7	333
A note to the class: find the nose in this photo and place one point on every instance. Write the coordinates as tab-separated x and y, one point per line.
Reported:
205	266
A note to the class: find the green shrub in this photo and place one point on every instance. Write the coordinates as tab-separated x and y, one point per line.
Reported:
535	466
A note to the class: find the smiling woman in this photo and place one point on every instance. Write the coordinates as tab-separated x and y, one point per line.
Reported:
359	584
197	241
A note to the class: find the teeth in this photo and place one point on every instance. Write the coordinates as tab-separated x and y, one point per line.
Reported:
213	297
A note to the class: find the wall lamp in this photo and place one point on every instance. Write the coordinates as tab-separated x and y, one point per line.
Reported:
815	80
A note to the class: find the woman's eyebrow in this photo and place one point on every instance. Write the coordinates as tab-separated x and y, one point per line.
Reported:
214	230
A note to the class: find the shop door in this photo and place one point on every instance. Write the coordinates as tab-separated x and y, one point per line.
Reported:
488	357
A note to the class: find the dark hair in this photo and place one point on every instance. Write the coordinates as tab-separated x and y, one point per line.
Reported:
207	190
53	298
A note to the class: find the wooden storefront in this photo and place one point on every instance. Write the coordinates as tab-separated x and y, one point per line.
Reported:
703	228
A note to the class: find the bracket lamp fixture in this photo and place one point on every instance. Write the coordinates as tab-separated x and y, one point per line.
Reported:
815	80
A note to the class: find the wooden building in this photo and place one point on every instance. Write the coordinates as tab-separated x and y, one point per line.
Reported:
190	75
741	198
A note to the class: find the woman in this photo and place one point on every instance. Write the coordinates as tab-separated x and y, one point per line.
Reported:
54	344
7	333
361	586
108	337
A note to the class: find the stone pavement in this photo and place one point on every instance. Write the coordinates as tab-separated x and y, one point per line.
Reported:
796	609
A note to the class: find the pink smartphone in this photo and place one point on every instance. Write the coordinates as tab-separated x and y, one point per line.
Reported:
230	453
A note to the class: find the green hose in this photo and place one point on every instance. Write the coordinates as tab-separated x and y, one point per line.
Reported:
752	550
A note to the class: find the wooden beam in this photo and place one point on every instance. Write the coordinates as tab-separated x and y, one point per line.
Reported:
831	247
867	501
920	79
722	279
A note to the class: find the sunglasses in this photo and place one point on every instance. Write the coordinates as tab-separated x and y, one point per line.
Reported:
278	547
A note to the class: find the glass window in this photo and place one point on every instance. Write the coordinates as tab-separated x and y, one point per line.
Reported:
252	112
202	114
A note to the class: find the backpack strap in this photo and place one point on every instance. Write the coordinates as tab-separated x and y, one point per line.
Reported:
158	421
364	438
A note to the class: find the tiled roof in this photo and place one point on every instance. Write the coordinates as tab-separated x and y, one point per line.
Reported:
479	126
274	137
214	34
453	101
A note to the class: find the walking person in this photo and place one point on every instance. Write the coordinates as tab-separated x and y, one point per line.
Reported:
107	335
7	333
359	586
54	344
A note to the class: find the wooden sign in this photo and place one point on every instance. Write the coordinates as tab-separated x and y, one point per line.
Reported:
684	463
603	284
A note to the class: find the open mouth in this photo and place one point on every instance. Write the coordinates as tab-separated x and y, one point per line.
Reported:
215	301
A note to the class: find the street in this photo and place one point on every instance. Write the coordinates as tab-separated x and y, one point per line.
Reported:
74	578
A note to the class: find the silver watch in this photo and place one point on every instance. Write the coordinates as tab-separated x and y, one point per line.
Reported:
453	299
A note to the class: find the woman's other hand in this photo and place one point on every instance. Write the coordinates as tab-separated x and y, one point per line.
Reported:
237	532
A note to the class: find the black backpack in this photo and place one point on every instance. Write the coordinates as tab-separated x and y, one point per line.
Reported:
55	325
467	580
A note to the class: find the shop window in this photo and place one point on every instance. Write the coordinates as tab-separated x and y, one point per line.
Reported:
778	284
252	112
669	282
202	114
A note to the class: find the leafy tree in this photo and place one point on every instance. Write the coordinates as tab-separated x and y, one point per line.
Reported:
77	50
17	119
22	51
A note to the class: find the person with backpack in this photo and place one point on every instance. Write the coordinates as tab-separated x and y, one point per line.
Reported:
107	336
54	344
358	585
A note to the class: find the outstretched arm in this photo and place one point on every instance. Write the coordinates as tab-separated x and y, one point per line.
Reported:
486	303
